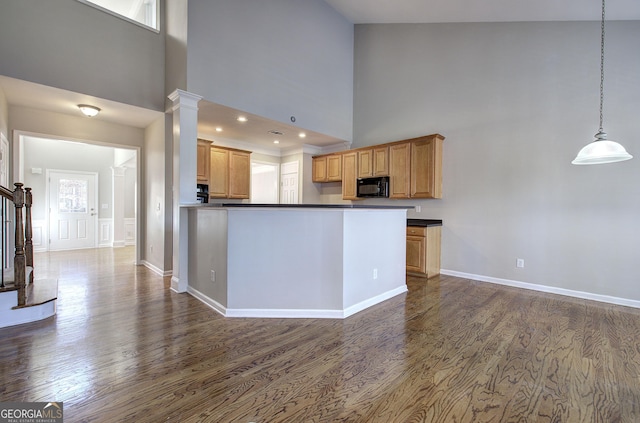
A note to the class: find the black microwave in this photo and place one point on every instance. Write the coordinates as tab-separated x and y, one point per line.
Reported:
373	187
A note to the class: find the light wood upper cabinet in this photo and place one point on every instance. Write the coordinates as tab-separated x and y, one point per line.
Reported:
373	162
365	163
399	172
203	161
426	167
229	173
334	168
219	173
319	169
327	168
381	161
349	172
239	174
414	167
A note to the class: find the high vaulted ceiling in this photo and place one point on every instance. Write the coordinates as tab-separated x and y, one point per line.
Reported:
427	11
260	131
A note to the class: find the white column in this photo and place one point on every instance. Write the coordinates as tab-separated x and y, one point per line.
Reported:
117	202
185	139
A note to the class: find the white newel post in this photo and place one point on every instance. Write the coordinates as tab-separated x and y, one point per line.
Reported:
185	136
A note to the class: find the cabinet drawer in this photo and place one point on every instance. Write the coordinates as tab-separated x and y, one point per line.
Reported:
416	231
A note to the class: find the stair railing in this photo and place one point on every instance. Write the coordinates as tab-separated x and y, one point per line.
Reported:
23	255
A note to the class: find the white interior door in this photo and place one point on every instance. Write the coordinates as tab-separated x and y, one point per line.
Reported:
289	183
73	211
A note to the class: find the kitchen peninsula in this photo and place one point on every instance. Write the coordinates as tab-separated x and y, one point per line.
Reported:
271	260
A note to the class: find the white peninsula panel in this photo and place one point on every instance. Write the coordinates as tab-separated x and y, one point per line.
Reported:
296	261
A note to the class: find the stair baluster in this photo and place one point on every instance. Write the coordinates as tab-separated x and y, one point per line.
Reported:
19	258
28	231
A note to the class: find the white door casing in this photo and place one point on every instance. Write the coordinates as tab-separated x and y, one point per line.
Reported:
73	209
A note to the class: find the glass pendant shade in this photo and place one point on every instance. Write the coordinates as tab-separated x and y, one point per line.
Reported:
600	151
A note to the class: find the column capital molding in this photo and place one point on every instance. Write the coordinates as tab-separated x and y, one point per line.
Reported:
184	99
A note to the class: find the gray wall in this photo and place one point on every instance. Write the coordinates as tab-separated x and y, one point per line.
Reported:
176	46
4	115
515	101
274	59
70	45
157	235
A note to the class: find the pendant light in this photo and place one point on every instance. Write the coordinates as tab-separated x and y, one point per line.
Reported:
601	150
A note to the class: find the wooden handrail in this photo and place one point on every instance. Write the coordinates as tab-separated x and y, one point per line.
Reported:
6	193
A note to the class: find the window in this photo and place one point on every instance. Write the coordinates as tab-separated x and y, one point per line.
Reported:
142	12
72	196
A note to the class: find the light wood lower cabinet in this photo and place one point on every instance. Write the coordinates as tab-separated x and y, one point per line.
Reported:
423	250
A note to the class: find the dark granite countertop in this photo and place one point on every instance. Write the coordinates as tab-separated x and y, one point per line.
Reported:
313	206
424	222
295	206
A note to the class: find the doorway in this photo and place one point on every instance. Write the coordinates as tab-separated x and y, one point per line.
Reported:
264	182
73	209
48	164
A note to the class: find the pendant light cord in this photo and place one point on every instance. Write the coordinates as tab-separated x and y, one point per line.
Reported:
601	66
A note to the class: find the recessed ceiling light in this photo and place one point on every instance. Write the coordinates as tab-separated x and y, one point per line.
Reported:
276	142
302	135
242	119
218	129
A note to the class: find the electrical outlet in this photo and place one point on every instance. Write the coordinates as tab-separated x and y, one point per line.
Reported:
213	276
375	273
520	263
418	209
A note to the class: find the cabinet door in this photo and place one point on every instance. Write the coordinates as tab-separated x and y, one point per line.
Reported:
381	161
365	163
416	254
349	168
219	173
319	169
203	160
239	174
334	168
426	168
399	161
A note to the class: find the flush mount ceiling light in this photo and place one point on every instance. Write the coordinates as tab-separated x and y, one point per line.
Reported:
302	135
601	150
88	110
242	119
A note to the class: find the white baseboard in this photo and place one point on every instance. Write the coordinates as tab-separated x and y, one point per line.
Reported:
208	301
544	288
373	301
294	313
156	269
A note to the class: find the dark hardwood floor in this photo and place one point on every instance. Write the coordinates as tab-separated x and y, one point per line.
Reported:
124	348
